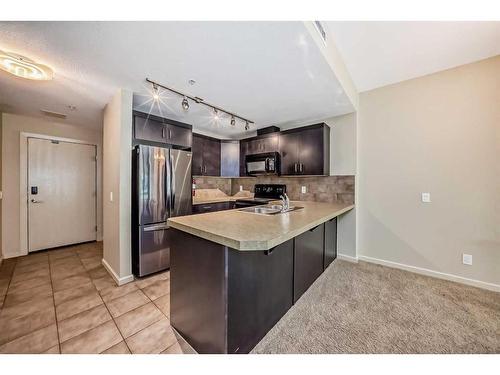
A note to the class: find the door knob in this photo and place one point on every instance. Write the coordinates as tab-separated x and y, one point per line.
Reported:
35	201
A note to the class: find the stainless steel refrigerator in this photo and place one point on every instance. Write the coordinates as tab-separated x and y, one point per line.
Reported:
162	184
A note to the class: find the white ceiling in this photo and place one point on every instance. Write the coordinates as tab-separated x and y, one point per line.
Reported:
269	72
381	53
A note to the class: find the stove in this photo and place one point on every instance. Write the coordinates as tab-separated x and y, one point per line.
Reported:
264	193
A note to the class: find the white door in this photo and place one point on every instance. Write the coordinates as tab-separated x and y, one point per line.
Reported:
61	193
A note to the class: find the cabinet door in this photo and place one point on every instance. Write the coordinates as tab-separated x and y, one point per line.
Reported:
197	151
263	276
254	146
311	152
179	136
202	208
211	157
330	242
270	144
150	130
289	149
308	259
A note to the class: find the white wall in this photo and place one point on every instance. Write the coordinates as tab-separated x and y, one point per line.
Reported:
439	134
117	168
12	126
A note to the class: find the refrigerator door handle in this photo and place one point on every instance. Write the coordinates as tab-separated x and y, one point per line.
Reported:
172	182
167	186
153	228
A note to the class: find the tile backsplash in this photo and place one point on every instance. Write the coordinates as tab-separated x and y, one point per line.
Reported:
319	188
206	182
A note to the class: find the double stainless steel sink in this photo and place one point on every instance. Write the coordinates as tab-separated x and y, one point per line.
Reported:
269	210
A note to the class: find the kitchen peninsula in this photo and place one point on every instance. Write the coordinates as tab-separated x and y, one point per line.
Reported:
234	274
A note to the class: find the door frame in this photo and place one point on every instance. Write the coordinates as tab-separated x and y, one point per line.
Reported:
23	185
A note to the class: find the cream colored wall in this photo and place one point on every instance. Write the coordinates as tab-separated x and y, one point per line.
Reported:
12	126
1	252
342	145
117	168
439	134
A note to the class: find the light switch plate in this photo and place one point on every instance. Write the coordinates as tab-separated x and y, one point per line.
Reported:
467	259
303	189
426	197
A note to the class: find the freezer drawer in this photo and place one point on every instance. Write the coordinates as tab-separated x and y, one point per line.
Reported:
153	253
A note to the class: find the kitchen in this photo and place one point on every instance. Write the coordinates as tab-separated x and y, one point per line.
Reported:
303	239
278	206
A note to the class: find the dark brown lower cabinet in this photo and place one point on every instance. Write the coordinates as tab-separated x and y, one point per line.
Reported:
259	294
212	207
308	259
330	242
223	300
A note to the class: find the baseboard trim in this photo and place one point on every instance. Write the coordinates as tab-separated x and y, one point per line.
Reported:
347	258
118	280
432	273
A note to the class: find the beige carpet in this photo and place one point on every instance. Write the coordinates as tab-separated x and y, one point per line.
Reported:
366	308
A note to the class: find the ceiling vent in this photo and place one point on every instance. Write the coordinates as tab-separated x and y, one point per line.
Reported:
53	114
321	30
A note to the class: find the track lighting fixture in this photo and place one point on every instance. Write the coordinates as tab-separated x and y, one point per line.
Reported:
185	104
198	100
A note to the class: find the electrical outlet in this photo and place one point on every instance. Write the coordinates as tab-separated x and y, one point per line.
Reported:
241	187
303	190
426	197
467	259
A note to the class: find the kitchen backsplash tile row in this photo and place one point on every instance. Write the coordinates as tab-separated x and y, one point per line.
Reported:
333	189
207	182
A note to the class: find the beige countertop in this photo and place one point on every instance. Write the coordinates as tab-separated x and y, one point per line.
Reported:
250	231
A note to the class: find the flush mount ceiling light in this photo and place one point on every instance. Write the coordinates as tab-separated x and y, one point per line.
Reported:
24	67
198	100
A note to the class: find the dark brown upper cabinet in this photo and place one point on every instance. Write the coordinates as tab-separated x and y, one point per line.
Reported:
156	129
257	145
206	156
305	151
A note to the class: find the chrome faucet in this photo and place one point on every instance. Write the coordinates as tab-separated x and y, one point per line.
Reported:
285	202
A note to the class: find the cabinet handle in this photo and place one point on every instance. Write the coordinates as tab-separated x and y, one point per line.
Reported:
201	169
207	207
295	167
301	167
270	251
163	132
169	133
205	169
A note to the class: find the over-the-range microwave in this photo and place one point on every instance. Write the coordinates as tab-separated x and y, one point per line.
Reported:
262	164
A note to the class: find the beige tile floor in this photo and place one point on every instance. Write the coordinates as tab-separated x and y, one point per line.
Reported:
64	301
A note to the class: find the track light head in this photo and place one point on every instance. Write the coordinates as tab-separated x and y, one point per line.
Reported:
233	121
246	125
155	92
185	104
